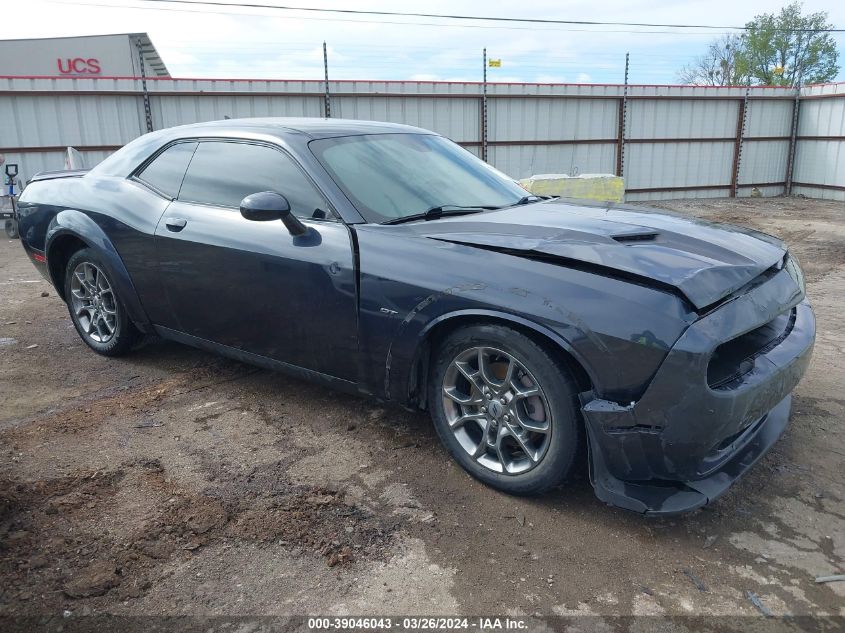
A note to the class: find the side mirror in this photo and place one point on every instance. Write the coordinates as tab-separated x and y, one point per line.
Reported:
269	205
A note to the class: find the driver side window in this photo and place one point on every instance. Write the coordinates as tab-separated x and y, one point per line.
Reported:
222	173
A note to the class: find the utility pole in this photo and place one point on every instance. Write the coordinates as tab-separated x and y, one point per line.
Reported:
328	100
484	108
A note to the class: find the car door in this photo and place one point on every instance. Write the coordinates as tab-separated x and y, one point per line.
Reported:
252	285
142	201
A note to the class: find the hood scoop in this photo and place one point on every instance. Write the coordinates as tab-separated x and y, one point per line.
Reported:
633	238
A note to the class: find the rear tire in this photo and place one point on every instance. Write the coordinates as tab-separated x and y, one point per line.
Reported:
514	424
12	229
95	307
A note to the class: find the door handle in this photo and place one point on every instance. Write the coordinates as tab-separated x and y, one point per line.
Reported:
175	224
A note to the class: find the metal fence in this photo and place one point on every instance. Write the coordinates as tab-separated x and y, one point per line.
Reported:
819	168
667	141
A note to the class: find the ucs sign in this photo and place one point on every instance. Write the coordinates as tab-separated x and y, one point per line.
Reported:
78	66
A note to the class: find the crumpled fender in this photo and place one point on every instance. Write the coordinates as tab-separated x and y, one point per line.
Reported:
77	224
401	300
408	343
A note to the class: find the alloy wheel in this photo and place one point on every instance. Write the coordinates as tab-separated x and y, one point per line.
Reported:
93	302
497	410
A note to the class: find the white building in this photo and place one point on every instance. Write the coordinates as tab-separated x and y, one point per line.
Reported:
87	56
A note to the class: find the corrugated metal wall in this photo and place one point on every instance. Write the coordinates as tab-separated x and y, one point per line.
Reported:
820	148
676	141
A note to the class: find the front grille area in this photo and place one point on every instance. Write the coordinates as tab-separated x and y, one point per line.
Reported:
735	358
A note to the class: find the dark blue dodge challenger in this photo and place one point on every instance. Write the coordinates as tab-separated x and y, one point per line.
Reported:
386	260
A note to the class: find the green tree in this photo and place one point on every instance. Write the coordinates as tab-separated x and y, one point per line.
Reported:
788	48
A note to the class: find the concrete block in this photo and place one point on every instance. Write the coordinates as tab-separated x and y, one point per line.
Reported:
604	187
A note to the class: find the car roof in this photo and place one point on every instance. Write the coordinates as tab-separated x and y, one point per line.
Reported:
131	155
311	127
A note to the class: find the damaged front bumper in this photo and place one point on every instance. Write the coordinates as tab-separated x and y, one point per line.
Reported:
686	440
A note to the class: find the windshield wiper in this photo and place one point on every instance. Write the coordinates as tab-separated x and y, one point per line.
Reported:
528	200
438	212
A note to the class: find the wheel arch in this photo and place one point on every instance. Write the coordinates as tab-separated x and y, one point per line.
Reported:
71	231
58	254
438	328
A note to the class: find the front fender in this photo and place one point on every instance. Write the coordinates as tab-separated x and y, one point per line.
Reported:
619	332
69	224
408	345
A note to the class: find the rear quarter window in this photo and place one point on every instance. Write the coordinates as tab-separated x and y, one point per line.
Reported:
167	170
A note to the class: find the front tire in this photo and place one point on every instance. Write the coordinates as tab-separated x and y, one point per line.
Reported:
95	307
505	409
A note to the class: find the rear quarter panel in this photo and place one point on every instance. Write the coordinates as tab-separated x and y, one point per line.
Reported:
111	214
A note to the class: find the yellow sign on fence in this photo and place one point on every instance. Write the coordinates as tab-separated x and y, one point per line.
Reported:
494	63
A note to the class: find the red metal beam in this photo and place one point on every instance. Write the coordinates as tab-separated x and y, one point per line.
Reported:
428	95
705	139
700	139
819	186
760	184
570	141
679	188
701	187
820	138
510	143
841	95
746	139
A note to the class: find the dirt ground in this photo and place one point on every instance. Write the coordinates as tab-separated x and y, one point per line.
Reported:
176	482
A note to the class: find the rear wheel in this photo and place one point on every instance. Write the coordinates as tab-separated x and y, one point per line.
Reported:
505	409
11	227
95	307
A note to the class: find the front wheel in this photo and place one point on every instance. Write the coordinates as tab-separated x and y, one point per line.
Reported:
95	307
505	409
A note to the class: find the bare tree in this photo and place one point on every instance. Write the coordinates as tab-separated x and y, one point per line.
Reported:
718	66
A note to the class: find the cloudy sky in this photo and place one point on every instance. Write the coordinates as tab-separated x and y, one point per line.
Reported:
237	42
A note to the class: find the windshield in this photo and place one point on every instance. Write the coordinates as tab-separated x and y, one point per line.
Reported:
390	176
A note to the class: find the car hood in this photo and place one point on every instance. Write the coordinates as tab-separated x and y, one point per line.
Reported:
704	261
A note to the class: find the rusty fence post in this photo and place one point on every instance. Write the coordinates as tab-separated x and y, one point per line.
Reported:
793	140
742	115
620	128
327	99
148	113
484	109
